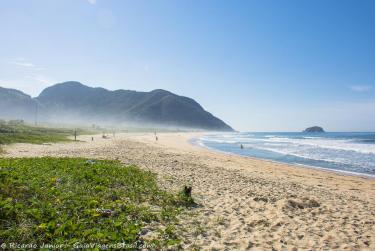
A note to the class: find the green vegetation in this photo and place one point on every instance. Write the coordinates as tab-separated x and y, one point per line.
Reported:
17	132
22	133
70	200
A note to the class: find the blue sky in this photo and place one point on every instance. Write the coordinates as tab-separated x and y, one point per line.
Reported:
258	65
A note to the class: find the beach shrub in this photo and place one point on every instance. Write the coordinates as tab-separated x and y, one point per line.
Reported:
75	200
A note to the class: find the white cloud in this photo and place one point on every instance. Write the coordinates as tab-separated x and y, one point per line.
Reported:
91	1
24	64
360	88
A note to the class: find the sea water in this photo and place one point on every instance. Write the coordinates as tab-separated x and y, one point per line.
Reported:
352	152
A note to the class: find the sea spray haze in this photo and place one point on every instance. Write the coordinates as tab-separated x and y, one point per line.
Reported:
342	151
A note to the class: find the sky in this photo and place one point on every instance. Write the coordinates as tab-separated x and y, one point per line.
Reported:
258	65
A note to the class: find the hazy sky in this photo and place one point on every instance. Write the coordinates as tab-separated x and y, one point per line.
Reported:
258	65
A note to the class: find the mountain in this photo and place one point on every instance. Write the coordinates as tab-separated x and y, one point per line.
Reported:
15	104
73	101
314	129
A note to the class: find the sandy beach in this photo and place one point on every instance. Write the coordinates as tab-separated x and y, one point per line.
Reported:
243	203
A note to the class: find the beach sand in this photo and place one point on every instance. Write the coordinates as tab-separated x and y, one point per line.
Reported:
243	203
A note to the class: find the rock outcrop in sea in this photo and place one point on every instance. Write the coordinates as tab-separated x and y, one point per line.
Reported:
314	129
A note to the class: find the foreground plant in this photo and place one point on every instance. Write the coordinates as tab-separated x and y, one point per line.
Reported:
74	200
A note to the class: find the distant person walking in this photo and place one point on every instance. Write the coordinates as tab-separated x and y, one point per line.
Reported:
156	137
241	146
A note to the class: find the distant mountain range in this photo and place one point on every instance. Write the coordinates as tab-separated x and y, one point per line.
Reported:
75	102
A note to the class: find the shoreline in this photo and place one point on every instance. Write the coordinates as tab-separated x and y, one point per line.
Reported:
181	141
243	203
296	165
185	144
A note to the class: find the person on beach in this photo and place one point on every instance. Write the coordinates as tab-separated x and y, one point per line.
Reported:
241	146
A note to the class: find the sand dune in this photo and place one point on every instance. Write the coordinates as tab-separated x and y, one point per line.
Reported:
243	203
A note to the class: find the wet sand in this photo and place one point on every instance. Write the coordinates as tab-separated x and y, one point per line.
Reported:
243	203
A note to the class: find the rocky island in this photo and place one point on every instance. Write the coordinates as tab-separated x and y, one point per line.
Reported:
314	129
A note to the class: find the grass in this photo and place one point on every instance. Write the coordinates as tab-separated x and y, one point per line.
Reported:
11	132
21	133
70	200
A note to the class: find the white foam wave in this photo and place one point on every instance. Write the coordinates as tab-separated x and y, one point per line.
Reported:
345	153
336	144
223	141
315	154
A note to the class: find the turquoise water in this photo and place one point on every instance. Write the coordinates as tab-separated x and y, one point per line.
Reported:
347	152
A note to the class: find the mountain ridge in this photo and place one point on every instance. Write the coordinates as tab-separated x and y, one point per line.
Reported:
15	104
76	101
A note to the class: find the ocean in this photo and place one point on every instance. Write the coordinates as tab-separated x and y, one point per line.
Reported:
350	152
